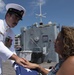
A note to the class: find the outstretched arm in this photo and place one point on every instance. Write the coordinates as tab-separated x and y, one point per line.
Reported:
5	54
36	66
18	60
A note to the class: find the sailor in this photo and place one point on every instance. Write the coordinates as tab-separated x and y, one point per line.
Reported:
14	14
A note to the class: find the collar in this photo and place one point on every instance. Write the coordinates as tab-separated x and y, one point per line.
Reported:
6	26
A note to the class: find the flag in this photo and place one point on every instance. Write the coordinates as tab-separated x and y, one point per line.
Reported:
20	70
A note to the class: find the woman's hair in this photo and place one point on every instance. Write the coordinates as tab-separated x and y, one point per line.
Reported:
68	41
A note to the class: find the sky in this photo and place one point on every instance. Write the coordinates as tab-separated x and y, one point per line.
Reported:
60	12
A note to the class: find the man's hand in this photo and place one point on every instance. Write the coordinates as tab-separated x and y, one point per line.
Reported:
18	60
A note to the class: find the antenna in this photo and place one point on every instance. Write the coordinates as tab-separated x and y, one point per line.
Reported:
41	15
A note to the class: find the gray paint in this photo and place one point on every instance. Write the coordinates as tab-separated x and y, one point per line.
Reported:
32	39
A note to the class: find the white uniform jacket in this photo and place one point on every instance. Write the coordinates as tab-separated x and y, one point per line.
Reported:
5	31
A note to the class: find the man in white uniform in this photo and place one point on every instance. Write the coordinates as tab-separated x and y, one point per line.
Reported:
14	14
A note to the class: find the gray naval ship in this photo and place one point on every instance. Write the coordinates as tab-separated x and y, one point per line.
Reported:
37	41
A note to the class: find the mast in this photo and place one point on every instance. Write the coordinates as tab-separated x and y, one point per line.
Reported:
41	15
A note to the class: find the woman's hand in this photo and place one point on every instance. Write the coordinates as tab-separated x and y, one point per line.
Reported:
31	65
36	66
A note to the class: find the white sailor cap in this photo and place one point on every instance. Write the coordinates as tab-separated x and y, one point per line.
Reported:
16	8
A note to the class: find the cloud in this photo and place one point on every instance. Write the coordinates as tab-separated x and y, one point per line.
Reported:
35	5
2	5
42	1
72	25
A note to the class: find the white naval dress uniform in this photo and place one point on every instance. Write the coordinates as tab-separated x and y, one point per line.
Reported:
5	53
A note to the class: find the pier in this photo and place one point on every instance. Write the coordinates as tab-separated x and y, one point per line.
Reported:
8	69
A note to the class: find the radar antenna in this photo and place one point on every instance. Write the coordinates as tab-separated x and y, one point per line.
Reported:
41	15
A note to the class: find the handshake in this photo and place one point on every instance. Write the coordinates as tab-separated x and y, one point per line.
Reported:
8	41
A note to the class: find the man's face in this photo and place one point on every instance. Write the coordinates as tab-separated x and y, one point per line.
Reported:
12	20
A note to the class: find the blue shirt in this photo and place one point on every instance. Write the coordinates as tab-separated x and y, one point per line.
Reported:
56	68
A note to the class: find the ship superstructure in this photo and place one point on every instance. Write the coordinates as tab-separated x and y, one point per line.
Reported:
37	41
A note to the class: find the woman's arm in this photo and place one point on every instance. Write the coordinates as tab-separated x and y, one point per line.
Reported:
67	67
36	66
